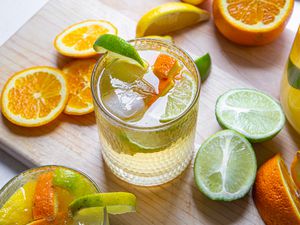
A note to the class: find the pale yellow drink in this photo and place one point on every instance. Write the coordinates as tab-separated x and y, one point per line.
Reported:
142	149
290	86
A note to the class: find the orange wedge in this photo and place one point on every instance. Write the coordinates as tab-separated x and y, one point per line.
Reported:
252	22
78	74
78	39
274	194
44	202
34	96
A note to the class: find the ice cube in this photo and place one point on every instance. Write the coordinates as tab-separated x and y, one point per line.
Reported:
128	101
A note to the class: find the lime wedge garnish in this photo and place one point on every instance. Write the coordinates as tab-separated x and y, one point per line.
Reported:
180	97
250	112
116	45
125	70
225	166
204	65
91	216
115	202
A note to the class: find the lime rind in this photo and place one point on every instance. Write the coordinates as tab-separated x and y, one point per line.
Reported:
268	111
117	46
224	139
203	64
115	202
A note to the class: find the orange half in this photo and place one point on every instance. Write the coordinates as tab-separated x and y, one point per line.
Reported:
250	22
35	96
275	194
78	39
78	74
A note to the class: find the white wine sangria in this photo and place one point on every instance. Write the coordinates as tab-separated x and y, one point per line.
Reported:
147	115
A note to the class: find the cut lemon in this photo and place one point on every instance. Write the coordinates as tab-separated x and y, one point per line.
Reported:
78	39
252	22
35	96
169	17
78	74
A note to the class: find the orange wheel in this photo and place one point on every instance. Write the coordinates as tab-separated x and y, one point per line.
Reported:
35	96
78	39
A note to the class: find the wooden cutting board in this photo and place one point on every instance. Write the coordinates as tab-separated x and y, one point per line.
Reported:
73	141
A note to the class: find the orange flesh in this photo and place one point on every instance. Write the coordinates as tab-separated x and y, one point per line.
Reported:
78	75
35	95
295	169
167	69
254	12
44	202
163	66
84	37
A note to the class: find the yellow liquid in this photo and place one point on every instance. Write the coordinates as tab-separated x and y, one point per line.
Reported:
290	90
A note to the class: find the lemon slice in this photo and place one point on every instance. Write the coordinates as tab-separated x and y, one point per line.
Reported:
169	17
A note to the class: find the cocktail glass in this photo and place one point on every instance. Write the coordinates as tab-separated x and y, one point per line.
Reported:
290	85
147	155
20	180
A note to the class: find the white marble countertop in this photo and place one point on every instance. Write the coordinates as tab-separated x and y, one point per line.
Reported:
13	14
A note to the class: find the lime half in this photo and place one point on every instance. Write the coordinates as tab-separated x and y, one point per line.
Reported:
225	166
117	48
180	97
250	112
115	202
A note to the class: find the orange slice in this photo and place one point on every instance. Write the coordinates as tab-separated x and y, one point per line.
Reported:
44	202
252	22
78	74
35	96
274	194
78	39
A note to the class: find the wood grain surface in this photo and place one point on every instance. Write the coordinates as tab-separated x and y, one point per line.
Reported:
73	141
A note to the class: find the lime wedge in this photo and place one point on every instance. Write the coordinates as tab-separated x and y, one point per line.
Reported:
74	182
91	216
117	48
180	97
204	65
115	202
225	166
125	70
252	113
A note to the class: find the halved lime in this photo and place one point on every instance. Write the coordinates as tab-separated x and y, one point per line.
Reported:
91	216
180	97
115	202
117	48
225	166
252	113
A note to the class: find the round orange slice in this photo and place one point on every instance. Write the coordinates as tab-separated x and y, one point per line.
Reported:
35	96
78	39
275	194
252	22
78	74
